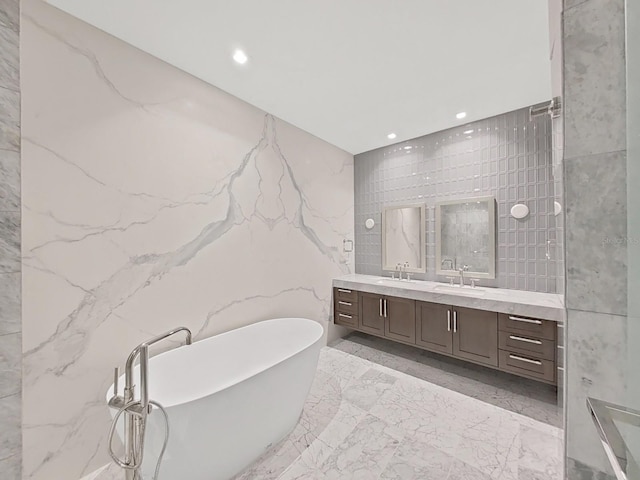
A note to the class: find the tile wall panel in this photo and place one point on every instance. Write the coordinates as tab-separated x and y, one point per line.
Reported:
10	268
508	156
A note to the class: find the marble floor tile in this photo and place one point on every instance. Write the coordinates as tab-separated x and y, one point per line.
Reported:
367	420
365	391
519	395
417	460
365	452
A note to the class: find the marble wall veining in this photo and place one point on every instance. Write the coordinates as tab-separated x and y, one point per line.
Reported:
10	268
508	156
151	200
595	180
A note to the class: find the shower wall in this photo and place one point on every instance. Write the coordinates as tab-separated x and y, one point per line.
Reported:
152	200
10	323
595	179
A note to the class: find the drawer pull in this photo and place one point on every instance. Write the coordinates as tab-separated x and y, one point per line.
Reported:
345	303
528	360
522	339
525	320
344	290
448	320
344	315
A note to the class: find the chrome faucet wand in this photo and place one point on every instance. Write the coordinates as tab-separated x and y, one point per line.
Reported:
136	412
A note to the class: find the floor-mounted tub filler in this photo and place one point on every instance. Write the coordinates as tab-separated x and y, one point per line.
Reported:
227	399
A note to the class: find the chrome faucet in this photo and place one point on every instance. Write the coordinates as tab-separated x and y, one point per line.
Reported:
447	261
405	266
135	412
461	270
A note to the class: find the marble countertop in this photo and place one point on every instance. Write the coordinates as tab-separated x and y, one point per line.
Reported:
547	306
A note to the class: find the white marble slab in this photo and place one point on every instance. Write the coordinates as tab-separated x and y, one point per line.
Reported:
151	200
547	306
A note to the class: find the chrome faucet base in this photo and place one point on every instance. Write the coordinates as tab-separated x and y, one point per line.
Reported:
136	411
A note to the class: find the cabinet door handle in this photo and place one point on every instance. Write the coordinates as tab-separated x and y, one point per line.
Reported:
448	320
455	321
527	340
344	315
385	308
525	320
380	307
528	360
344	290
345	303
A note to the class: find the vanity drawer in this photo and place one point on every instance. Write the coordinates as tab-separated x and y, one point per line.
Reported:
527	365
345	295
346	319
527	344
526	325
344	306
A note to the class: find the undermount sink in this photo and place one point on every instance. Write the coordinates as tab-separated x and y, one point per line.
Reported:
390	281
458	290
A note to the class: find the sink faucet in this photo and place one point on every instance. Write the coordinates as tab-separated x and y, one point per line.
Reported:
461	270
405	266
449	264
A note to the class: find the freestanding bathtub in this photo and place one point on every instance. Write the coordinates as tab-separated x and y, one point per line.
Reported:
229	397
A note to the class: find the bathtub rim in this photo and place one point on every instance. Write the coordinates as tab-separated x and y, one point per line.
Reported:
320	335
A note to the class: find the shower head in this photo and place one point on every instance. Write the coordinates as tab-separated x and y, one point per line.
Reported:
553	108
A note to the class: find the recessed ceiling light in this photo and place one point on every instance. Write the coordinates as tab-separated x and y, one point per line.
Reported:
467	132
408	147
461	115
240	57
391	136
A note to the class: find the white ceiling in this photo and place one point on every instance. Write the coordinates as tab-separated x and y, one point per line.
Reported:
349	71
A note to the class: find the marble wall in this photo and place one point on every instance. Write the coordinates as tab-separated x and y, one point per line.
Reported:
596	222
152	200
10	276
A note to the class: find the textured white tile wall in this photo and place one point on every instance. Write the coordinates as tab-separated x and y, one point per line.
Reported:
507	156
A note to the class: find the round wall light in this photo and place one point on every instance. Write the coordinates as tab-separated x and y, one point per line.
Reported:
519	211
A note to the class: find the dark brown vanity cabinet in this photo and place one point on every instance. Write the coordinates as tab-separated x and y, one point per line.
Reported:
475	335
391	317
371	315
400	319
345	310
434	325
462	332
520	345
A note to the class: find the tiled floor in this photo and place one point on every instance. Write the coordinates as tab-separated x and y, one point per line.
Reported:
382	411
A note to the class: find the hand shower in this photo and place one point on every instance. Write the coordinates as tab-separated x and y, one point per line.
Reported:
136	412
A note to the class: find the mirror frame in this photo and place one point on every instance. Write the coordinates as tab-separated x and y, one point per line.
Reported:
423	239
492	237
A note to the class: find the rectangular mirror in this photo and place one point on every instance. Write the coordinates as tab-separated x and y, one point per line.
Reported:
403	238
466	237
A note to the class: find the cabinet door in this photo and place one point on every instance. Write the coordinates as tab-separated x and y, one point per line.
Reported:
400	319
433	327
475	335
370	318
